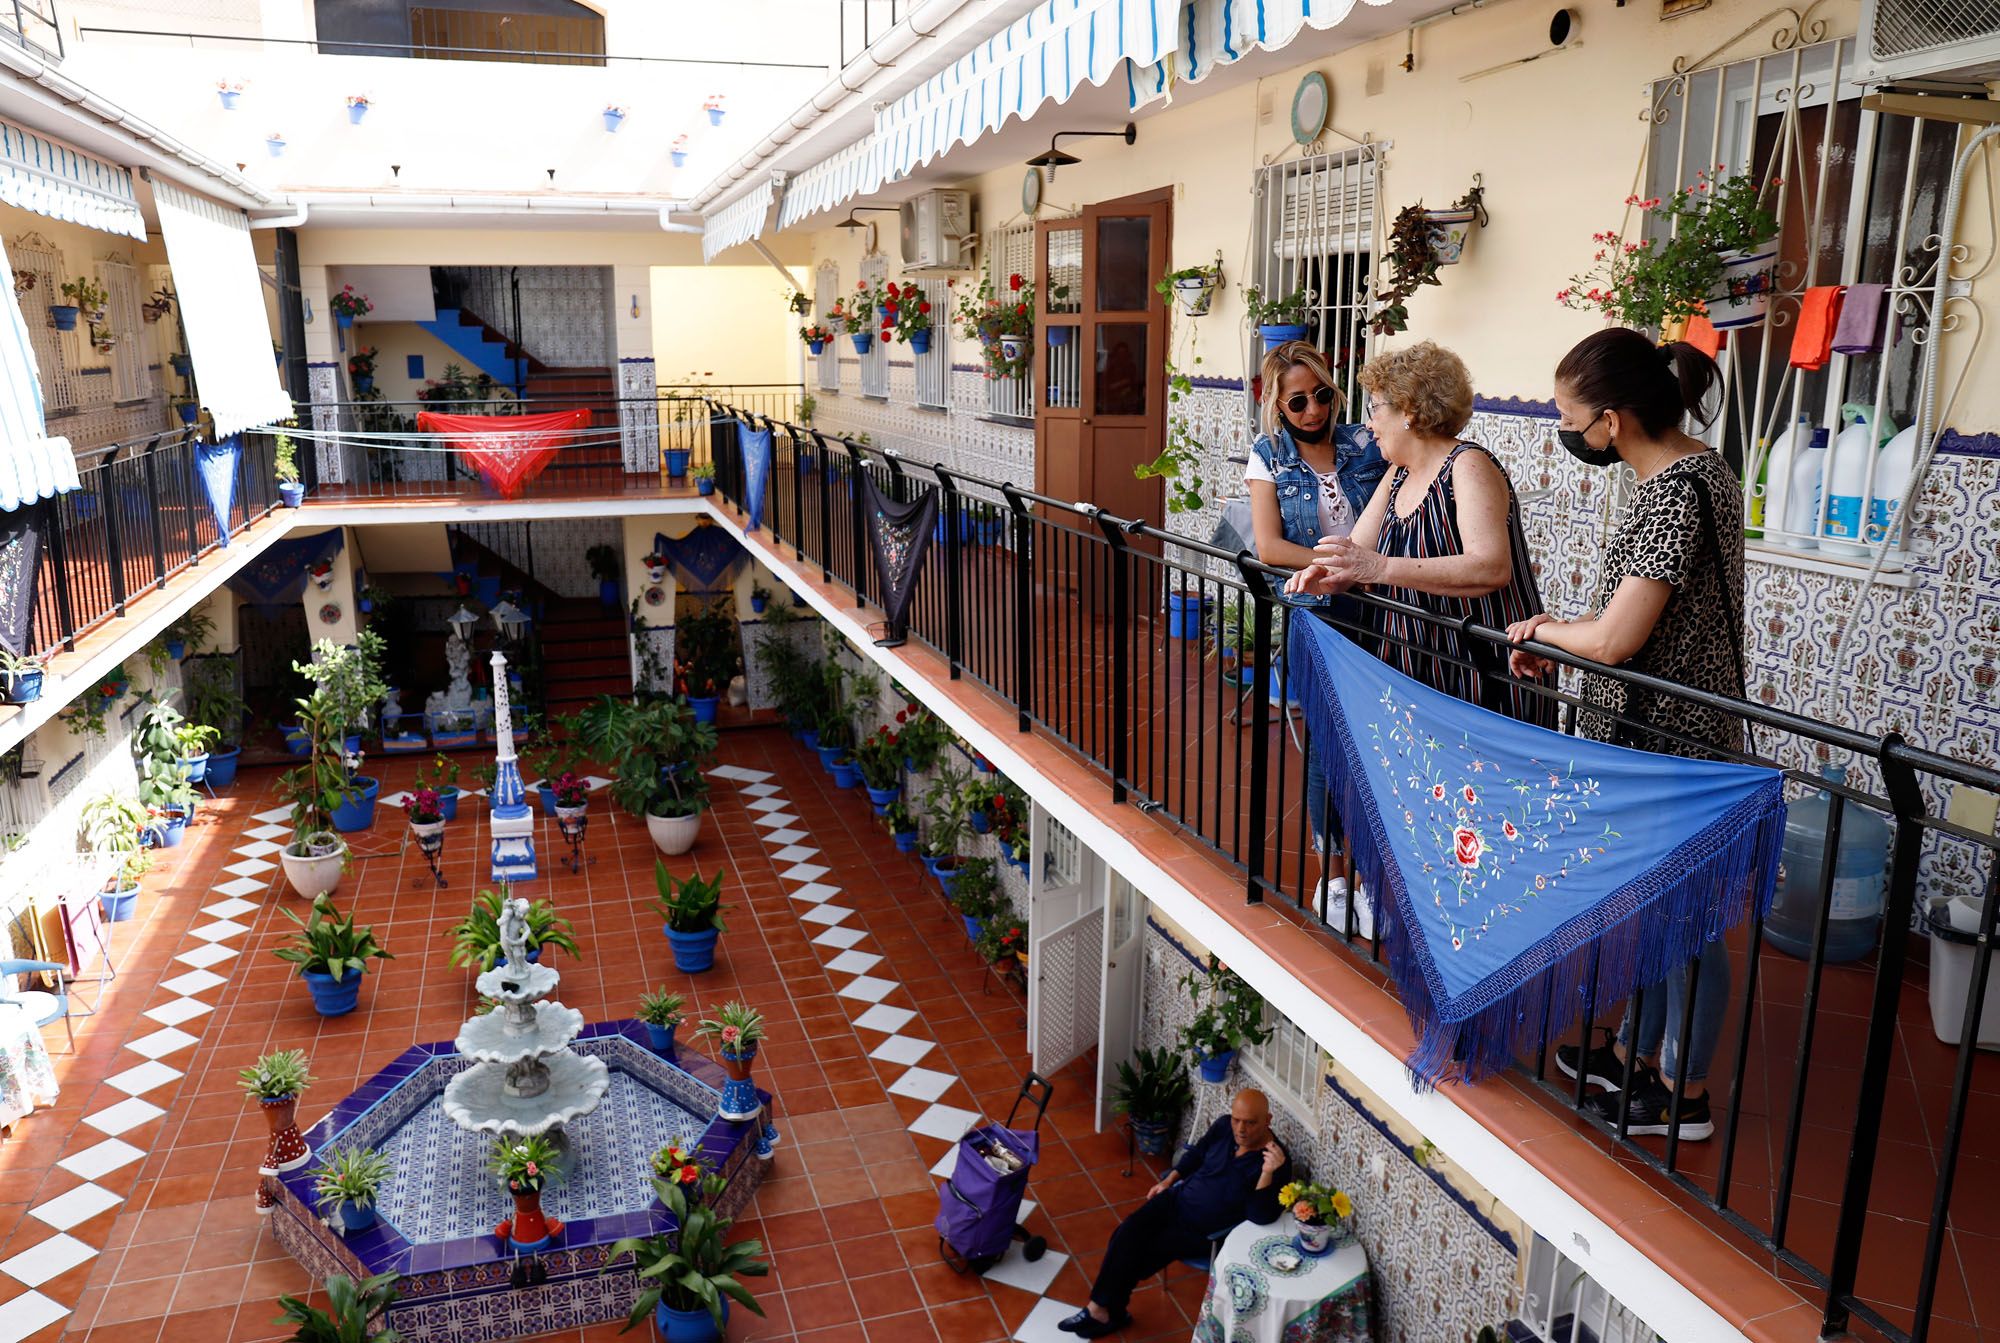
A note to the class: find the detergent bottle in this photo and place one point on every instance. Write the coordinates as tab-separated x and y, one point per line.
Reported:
1774	481
1802	493
1892	481
1847	481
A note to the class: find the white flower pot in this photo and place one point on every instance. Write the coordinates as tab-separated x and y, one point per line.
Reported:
426	829
1194	293
674	834
1745	292
1449	231
314	870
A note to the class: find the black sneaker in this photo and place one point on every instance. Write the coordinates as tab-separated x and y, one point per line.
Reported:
1603	1067
1648	1107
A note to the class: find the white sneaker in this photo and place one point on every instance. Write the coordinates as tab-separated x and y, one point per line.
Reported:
1333	902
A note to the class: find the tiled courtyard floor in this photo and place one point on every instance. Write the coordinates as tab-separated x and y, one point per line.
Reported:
126	1209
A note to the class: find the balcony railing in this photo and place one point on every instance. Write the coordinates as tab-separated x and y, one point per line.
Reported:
32	24
1060	610
139	518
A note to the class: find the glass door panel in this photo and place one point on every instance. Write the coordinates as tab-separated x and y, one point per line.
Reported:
1124	263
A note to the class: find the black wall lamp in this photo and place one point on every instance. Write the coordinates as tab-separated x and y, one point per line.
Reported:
1055	158
852	222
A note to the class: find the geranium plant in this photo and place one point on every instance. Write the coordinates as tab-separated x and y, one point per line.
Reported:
815	332
1669	276
347	303
909	311
361	364
570	791
425	807
880	756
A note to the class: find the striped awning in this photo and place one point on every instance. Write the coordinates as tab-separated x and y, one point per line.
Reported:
1046	55
51	179
740	220
1213	33
854	171
32	464
222	307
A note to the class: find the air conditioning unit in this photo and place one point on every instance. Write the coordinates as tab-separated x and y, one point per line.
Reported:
934	227
1941	41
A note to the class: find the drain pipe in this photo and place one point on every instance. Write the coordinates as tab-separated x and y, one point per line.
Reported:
76	95
281	221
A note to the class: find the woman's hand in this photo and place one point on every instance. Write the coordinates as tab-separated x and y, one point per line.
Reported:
1314	581
1522	663
1347	564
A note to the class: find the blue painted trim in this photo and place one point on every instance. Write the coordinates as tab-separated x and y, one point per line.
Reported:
1540	410
68	765
329	363
1951	443
1218	384
1176	944
1408	1150
635	359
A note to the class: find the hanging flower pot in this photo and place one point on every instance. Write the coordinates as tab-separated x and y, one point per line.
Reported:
181	364
1194	293
920	341
614	117
1215	1067
714	110
679	157
357	108
1744	293
862	340
1449	231
276	144
1013	349
230	97
816	346
63	316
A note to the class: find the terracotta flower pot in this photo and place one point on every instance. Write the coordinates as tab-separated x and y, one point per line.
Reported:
288	1150
529	1228
739	1096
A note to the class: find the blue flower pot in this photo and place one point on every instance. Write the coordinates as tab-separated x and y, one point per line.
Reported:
354	1218
358	812
177	649
189	412
846	775
607	593
661	1039
680	158
167	833
548	796
364	383
613	120
448	803
862	341
119	905
816	346
355	112
906	841
757	605
23	687
229	97
292	492
1150	1137
689	1326
714	115
882	797
344	319
1184	614
222	767
981	822
334	997
1278	334
947	881
693	952
973	927
296	740
1215	1067
677	462
920	341
1059	335
810	737
64	315
704	707
197	767
829	754
181	365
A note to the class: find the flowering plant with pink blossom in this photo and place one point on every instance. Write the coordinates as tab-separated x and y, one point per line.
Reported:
526	1165
1670	276
735	1028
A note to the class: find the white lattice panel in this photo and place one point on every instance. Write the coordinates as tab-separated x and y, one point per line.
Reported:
1010	252
131	379
1069	964
55	351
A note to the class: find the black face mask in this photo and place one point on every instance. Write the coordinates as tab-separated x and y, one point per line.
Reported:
1318	435
1573	443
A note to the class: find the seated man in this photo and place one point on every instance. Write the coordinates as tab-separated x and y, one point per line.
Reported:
1232	1175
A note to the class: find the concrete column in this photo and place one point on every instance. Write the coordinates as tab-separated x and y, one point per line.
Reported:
632	333
339	597
324	365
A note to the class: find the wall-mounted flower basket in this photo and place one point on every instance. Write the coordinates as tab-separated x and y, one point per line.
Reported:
614	117
1420	241
920	341
1193	288
62	316
276	144
863	341
188	411
230	94
180	364
1450	230
714	109
1745	291
1013	349
679	157
357	108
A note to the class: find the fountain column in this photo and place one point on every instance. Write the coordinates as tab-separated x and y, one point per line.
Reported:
513	822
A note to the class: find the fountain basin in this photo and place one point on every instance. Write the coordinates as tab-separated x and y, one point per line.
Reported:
492	1038
438	1209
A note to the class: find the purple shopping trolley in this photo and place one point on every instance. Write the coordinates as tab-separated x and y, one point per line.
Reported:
979	1207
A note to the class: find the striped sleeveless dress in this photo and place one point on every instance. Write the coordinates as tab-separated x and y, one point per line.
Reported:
1436	654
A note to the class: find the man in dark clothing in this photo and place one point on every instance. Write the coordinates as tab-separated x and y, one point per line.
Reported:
1233	1174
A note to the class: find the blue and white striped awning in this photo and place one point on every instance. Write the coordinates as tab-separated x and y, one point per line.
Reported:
1213	33
50	179
854	171
1045	55
32	464
740	220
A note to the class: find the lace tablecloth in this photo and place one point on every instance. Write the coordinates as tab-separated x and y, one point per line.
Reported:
27	1078
1262	1290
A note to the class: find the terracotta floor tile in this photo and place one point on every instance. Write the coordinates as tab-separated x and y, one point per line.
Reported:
967	1322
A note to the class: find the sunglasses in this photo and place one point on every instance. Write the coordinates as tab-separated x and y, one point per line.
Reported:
1296	402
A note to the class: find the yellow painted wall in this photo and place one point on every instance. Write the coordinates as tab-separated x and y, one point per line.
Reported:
724	324
82	248
493	242
394	342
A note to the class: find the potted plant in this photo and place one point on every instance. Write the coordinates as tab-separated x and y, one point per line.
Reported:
525	1167
816	336
944	806
214	700
676	1165
20	677
1018	850
230	91
606	568
704	477
689	1278
1191	287
677	465
316	856
571	794
1151	1095
712	105
195	740
901	823
923	738
441	778
113	826
910	317
332	954
275	1082
737	1031
345	1185
476	937
974	893
361	368
661	753
88	296
1711	249
692	907
188	409
274	144
980	795
163	773
348	305
857	318
357	108
656	564
614	117
678	151
880	760
1278	319
1227	1013
285	466
662	1012
351	1310
425	812
1000	940
1321	1213
760	597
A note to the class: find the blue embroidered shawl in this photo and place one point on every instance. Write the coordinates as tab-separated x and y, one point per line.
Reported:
757	450
1510	864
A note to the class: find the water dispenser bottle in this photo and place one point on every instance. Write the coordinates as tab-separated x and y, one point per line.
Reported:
1860	878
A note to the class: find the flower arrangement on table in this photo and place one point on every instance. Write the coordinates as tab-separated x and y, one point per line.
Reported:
1320	1212
1665	279
677	1166
425	807
570	791
349	304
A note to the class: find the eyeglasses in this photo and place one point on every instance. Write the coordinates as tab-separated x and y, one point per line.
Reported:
1377	407
1296	402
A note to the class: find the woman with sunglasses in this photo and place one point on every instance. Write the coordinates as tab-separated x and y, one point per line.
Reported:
1309	478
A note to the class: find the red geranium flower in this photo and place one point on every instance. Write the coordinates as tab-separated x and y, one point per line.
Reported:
1014	283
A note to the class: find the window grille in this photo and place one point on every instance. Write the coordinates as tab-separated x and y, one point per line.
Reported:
826	293
1065	855
875	363
1859	198
55	351
1289	1063
1010	252
934	368
1317	221
1065	361
131	377
1560	1300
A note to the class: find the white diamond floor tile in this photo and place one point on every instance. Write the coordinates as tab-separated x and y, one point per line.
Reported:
194	981
772	820
94	1163
885	1018
840	937
78	1205
768	803
28	1314
242	886
804	872
230	908
816	893
1040	1326
161	1043
123	1117
274	815
946	1164
923	1084
203	957
221	928
271	831
250	867
257	848
785	837
762	790
826	914
944	1121
1014	1270
868	989
1028	1205
396	799
738	774
794	853
854	962
902	1049
173	1013
138	1081
38	1263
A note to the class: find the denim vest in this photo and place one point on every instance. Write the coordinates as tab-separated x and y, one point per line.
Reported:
1358	462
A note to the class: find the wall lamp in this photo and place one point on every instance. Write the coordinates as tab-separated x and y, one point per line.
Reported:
852	222
1055	158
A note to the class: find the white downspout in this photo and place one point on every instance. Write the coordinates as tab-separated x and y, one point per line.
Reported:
281	221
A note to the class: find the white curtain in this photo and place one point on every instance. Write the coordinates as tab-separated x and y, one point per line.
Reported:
32	464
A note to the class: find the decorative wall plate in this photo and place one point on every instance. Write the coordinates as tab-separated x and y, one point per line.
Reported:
329	614
1312	105
655	595
1031	191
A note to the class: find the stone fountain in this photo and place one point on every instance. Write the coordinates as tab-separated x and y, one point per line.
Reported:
526	1078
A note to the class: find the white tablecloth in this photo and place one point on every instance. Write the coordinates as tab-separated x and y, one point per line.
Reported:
1262	1290
27	1079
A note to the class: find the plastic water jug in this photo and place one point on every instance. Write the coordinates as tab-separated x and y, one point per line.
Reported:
1860	878
1847	481
1892	481
1802	493
1776	480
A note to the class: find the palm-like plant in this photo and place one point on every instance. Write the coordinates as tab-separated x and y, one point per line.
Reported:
350	1306
477	936
699	1267
329	944
659	751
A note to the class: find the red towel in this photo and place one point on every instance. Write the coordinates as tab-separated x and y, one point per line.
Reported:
1819	317
1701	334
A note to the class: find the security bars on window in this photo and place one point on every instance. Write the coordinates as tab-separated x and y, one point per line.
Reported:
1317	221
826	292
1010	252
875	363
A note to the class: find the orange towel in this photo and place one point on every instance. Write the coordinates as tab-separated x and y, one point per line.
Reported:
1703	336
1819	317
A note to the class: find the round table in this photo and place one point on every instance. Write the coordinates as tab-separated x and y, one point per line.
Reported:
1262	1290
27	1078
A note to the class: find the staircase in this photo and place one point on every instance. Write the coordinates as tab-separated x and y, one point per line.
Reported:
585	653
481	346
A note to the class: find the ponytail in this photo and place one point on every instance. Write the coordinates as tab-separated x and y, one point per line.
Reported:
1661	385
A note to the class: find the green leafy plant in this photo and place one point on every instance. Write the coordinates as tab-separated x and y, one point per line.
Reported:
285	460
320	785
112	824
735	1027
698	1267
352	1176
476	937
909	311
1228	1012
1153	1088
692	904
328	944
899	819
440	774
1667	277
276	1076
662	1008
880	756
1000	939
163	771
86	294
350	1308
350	676
975	890
528	1164
702	470
1278	310
923	736
659	749
213	698
944	805
605	566
194	628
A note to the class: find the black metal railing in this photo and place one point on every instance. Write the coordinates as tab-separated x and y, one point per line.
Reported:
33	24
862	22
1156	658
140	517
